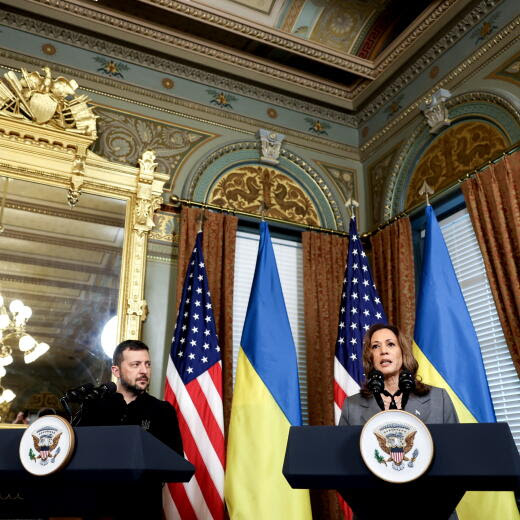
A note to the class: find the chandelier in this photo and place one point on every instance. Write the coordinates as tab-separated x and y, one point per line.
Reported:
12	328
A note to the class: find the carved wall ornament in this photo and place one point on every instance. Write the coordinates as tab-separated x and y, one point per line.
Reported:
271	144
435	110
76	180
47	101
257	189
458	150
138	308
124	137
147	165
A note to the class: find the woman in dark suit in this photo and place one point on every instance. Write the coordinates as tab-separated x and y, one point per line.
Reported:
387	350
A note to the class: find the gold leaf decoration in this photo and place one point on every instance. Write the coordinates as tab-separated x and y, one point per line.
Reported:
252	188
457	151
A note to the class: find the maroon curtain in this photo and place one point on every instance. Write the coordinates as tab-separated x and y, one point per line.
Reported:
493	202
323	270
394	274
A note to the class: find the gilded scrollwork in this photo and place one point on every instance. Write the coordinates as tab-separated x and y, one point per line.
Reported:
254	189
76	180
46	101
457	151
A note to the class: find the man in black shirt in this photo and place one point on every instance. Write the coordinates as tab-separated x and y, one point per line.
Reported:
131	404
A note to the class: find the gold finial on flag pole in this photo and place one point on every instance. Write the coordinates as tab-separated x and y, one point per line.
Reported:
426	190
351	204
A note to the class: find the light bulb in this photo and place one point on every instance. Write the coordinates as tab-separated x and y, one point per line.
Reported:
42	348
2	372
16	306
8	396
4	321
26	342
6	360
26	312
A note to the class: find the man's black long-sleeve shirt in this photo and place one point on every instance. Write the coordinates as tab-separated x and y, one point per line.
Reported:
157	417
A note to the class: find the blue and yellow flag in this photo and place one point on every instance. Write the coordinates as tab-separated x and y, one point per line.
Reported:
266	402
448	352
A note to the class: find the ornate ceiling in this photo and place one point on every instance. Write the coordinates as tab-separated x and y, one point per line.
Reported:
333	52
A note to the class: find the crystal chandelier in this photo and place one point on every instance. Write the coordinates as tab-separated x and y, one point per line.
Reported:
12	327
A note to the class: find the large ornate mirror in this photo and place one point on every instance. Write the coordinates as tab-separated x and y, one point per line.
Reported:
64	265
73	240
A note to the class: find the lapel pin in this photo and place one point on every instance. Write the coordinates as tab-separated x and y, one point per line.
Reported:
417	412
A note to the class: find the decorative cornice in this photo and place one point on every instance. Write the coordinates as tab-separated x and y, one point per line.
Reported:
447	82
440	47
183	42
319	142
414	32
165	65
273	37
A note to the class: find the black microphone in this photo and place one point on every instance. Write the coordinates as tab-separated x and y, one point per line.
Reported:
104	390
376	384
79	394
406	385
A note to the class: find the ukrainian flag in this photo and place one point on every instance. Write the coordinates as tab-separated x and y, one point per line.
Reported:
449	356
266	402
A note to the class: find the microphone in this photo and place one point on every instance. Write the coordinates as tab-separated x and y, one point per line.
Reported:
376	384
406	385
79	394
88	392
104	390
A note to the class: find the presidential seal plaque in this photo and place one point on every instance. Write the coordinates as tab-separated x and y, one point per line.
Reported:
47	445
396	446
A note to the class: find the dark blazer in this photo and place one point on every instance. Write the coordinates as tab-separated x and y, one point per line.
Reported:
435	408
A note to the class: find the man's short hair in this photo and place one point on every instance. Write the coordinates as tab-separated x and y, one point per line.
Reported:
129	344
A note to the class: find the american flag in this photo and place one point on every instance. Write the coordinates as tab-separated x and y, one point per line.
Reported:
360	308
194	387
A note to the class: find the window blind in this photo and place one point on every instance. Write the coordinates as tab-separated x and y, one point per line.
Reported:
289	260
466	257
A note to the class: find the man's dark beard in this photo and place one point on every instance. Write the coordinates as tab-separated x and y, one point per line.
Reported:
132	388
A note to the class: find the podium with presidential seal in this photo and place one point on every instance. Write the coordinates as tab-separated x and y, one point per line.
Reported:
52	469
397	467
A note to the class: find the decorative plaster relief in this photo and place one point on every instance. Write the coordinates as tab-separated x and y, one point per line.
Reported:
258	189
456	151
123	138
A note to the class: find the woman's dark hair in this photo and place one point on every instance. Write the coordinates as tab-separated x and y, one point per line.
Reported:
409	360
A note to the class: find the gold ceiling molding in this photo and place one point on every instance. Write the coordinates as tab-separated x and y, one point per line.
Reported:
460	73
45	154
